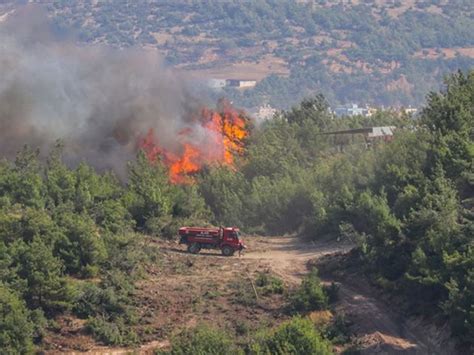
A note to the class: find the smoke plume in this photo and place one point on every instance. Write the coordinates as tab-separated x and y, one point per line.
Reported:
98	100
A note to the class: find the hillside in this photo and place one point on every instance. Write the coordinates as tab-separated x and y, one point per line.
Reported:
359	229
378	51
170	298
90	261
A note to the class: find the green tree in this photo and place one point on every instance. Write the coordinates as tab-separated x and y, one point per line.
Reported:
46	287
16	329
222	189
449	115
148	198
81	245
59	180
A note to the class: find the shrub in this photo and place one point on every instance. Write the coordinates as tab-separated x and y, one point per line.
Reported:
296	336
332	291
111	298
111	333
202	340
268	284
338	331
244	293
310	296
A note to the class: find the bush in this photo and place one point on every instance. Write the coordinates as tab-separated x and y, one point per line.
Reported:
244	293
268	284
338	331
332	292
16	330
310	296
112	298
296	336
111	333
202	340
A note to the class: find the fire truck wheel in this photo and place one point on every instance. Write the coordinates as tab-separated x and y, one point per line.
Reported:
194	248
227	251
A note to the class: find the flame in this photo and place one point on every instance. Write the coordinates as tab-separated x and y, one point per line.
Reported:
226	131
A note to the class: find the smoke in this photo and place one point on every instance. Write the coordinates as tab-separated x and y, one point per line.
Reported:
98	100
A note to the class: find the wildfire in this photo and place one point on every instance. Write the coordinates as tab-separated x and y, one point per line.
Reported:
226	130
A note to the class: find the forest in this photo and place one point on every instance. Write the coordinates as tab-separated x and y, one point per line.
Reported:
71	238
369	52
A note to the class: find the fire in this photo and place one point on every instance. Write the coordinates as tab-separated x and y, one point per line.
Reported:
226	130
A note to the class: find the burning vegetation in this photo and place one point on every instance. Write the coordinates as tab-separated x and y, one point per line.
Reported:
215	137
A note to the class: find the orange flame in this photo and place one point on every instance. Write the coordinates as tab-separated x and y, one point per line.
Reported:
226	133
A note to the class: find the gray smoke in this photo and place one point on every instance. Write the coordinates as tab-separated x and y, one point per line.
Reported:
98	100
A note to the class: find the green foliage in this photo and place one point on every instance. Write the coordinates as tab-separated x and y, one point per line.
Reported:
458	305
148	199
450	118
57	224
221	189
268	284
408	206
243	292
202	340
93	300
311	295
16	329
419	239
112	333
158	207
338	331
81	246
45	285
296	336
332	291
377	52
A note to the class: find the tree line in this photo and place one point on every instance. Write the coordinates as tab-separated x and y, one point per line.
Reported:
71	239
409	205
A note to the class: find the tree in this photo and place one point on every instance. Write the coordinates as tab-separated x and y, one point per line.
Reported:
46	286
222	189
16	330
148	198
315	109
449	115
81	245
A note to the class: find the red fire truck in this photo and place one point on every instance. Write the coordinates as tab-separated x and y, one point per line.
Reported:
228	240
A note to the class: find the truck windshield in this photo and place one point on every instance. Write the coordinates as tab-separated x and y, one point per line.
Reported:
236	235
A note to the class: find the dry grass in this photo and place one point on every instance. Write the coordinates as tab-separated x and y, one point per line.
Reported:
245	70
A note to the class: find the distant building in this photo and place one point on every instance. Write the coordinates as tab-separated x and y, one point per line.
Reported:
370	135
384	133
353	110
241	83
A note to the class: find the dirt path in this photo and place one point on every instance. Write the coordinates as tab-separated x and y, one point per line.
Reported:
173	298
288	256
379	329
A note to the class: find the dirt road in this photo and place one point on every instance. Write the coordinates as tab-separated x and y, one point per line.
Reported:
184	289
379	329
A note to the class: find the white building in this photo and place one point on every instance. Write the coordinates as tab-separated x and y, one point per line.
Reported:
241	83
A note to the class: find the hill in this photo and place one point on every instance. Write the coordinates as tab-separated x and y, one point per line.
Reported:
375	51
89	260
